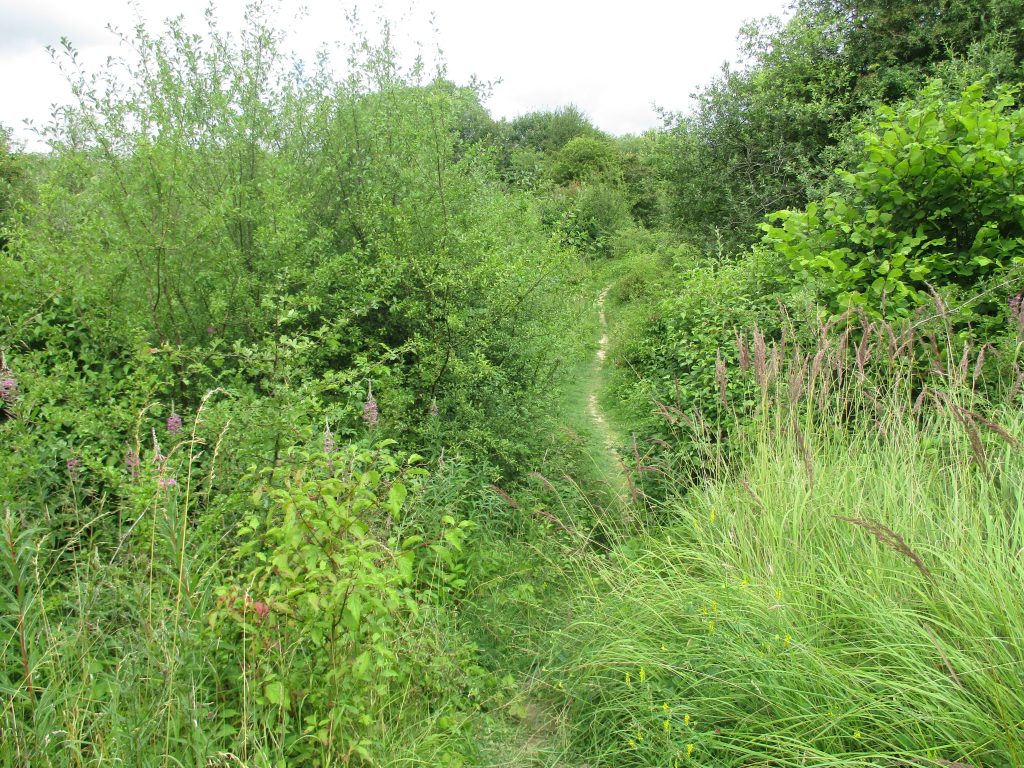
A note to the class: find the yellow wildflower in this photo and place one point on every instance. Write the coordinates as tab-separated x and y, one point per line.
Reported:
643	675
686	719
689	750
666	726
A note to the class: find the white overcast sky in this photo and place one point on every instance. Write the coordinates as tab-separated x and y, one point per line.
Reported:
612	59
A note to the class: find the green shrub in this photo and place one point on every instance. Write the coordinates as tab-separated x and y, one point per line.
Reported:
675	348
587	158
932	201
593	214
340	572
12	179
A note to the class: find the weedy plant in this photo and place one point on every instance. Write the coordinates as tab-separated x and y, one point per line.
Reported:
311	633
338	579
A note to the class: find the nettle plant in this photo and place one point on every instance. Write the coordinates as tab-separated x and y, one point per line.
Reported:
934	201
339	570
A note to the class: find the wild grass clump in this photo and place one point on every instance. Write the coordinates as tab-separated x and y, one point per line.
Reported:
790	375
844	592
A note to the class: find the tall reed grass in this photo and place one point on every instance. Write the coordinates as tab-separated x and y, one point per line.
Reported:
843	584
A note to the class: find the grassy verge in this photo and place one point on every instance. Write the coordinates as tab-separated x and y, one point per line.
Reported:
847	595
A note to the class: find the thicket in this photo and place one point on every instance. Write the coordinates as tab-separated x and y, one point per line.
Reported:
234	285
766	134
833	171
284	360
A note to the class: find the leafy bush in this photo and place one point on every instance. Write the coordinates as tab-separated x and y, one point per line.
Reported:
549	131
587	158
12	177
757	133
594	212
342	572
678	342
932	201
271	226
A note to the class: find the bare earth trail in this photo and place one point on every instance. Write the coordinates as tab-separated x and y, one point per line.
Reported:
534	738
609	439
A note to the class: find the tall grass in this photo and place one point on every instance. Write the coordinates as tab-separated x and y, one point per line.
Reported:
109	655
843	588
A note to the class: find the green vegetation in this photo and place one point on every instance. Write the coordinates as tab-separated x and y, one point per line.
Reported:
847	596
344	425
932	204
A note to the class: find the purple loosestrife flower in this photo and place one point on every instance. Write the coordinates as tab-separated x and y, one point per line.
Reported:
8	389
370	413
166	482
174	423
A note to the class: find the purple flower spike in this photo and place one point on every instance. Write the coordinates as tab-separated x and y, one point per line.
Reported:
8	389
73	464
370	413
166	482
328	440
174	423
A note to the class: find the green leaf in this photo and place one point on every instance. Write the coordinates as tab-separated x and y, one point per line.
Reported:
396	497
405	562
275	692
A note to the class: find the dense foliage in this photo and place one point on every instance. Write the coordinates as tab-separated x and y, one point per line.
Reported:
932	202
233	283
346	425
766	135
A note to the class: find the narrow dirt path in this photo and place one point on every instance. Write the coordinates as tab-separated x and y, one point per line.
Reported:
609	438
532	735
